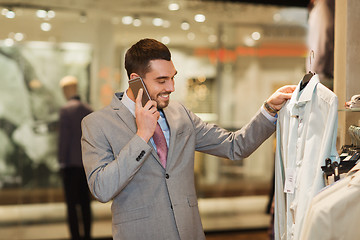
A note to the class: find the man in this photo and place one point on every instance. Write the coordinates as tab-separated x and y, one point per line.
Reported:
74	178
153	199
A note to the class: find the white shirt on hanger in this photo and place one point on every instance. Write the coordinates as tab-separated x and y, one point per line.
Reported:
305	136
335	212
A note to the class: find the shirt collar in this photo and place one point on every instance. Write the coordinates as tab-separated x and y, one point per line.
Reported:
129	104
306	94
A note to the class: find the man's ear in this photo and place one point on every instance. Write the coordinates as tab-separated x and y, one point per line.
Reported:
134	75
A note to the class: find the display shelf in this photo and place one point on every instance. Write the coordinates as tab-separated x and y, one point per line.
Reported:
349	110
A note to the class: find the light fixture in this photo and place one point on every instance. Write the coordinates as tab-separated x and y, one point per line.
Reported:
277	17
137	22
191	36
200	17
212	38
10	14
165	40
174	6
19	37
166	24
158	22
127	20
248	41
41	13
185	26
51	14
256	36
9	42
45	14
45	26
4	11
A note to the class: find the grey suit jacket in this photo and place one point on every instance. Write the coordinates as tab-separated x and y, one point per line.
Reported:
150	202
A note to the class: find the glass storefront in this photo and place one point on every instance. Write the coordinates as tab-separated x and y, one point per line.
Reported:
224	81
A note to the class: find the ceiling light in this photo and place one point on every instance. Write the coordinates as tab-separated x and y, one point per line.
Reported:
51	14
248	41
41	13
277	17
8	42
256	36
166	24
4	11
185	25
19	37
173	7
45	26
127	20
191	36
165	40
212	38
10	14
157	22
137	22
200	18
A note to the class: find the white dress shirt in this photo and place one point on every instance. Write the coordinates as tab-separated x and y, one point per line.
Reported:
335	212
305	136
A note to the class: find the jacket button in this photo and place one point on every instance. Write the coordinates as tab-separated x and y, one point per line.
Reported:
167	176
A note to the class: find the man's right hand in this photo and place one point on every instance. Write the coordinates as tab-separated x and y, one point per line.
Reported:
146	117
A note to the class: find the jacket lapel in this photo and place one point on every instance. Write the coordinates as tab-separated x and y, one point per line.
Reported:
169	115
126	116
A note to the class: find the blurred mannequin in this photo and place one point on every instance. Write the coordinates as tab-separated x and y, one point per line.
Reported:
321	39
74	179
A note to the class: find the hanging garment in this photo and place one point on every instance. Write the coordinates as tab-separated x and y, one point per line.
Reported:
305	136
335	212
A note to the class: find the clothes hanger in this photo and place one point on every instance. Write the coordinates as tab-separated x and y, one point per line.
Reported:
309	75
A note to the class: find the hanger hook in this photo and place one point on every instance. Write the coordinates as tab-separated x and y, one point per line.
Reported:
313	56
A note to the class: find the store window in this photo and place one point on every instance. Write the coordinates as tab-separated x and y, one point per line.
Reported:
226	69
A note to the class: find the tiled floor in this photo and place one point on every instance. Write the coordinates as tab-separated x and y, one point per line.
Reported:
223	218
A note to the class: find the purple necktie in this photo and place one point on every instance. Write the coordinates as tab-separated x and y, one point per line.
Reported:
161	146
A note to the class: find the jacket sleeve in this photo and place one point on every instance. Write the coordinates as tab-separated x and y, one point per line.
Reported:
236	145
107	174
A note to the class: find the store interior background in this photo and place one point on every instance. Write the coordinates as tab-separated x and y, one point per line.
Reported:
227	66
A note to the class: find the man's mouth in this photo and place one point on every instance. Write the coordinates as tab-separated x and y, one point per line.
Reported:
164	96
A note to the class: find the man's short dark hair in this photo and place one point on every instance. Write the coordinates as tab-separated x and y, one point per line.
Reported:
138	57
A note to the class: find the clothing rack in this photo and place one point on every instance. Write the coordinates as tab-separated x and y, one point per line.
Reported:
349	157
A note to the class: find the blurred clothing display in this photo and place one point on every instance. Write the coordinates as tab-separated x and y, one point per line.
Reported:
335	213
354	102
306	136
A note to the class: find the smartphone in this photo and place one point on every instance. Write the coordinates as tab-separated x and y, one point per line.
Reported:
135	84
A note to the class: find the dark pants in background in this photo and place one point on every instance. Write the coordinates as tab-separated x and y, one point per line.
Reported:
77	197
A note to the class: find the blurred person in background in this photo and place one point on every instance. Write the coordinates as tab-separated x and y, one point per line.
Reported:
72	171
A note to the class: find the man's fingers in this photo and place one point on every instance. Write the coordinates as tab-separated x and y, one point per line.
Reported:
150	104
139	98
287	95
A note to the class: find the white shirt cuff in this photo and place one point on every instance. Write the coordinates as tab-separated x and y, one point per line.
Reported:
267	115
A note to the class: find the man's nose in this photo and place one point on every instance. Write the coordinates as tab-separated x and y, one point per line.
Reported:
170	86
